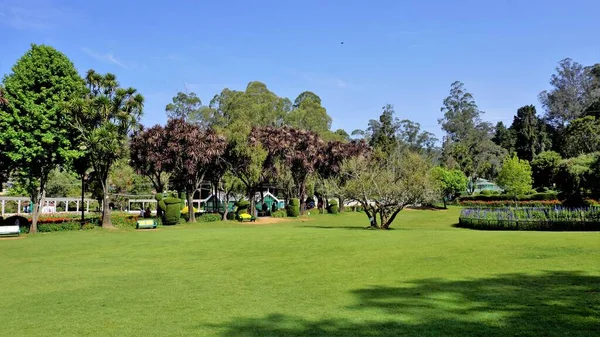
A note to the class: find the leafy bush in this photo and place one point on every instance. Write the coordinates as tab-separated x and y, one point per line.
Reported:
486	192
279	213
333	206
65	226
591	203
242	206
532	218
124	220
88	225
293	207
209	218
231	216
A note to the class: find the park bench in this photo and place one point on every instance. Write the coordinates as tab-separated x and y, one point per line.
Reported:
145	224
10	230
246	217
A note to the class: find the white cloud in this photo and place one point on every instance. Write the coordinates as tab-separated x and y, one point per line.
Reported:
107	57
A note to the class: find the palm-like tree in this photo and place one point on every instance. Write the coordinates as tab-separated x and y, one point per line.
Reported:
105	117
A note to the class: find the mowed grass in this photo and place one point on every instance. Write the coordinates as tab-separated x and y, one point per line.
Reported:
321	276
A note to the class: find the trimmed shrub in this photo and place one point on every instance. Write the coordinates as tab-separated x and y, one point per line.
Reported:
171	208
242	207
531	218
279	213
209	218
486	192
293	207
333	208
65	226
510	203
547	196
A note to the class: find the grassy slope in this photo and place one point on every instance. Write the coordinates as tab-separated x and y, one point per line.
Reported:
318	277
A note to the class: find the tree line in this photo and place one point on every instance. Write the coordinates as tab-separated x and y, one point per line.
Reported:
243	140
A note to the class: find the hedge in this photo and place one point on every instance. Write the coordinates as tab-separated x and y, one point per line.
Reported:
505	197
293	207
529	225
532	218
333	206
507	203
279	213
209	217
65	226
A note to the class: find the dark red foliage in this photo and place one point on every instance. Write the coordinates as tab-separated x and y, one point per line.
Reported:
148	149
304	152
192	152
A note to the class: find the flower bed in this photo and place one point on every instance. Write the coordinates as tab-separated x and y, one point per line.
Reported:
532	218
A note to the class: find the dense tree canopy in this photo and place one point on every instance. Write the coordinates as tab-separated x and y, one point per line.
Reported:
149	157
571	95
530	133
515	176
449	183
308	114
581	136
185	106
468	144
35	134
191	152
544	168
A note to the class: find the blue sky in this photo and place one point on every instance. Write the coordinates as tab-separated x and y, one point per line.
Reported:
406	53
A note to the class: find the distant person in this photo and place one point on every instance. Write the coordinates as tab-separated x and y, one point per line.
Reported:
147	213
273	208
142	213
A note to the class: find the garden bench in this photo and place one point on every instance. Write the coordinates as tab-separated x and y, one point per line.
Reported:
10	230
145	224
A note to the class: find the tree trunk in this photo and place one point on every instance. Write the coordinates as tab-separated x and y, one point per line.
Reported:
252	203
36	200
225	207
106	221
341	203
190	206
82	199
388	222
301	192
372	216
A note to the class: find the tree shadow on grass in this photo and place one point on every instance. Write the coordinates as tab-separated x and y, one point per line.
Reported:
336	227
551	304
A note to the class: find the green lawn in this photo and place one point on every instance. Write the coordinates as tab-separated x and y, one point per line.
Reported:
318	277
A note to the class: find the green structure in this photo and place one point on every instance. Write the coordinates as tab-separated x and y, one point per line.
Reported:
483	184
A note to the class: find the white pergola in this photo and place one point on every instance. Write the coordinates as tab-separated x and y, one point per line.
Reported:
49	206
144	202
